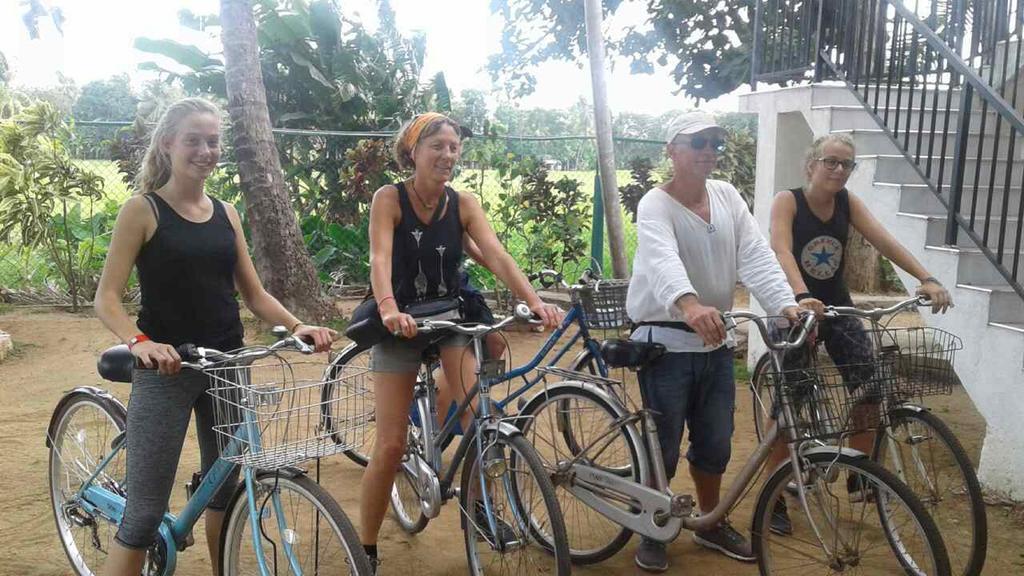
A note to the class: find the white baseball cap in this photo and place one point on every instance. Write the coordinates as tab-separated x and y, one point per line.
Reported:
690	123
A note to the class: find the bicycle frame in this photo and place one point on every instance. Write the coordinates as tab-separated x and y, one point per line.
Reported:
100	501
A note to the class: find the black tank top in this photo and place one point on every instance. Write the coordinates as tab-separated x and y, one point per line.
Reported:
819	248
186	276
425	257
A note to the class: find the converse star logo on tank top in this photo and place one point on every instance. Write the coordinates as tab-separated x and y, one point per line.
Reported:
821	257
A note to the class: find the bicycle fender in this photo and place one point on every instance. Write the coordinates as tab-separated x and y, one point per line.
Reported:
502	428
595	389
911	407
101	395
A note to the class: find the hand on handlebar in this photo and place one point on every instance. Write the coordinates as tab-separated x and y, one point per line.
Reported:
320	337
549	314
399	324
162	357
813	305
936	295
706	321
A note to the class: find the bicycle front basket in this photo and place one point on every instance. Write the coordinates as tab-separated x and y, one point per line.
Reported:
604	303
275	413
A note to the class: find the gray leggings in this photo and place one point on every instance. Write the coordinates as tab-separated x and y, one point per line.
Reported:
158	413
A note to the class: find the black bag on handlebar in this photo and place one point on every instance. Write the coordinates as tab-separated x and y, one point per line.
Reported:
367	329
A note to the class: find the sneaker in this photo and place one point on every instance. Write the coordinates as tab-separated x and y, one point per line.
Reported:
858	490
651	556
726	540
507	536
780	522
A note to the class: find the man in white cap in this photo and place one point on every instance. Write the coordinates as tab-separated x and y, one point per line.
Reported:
695	240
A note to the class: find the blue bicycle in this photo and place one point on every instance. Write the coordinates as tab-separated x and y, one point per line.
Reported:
268	414
598	305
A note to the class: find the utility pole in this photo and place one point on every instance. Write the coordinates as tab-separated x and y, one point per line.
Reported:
605	146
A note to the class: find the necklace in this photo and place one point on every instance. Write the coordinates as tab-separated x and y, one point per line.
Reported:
412	185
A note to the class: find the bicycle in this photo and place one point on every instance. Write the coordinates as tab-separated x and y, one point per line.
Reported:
268	422
597	305
914	443
620	487
506	500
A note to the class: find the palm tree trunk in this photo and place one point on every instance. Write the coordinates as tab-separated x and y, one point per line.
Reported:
281	258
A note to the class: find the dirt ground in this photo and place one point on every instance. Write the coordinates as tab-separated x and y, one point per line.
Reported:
56	351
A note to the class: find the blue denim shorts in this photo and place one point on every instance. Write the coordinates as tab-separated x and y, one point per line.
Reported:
695	389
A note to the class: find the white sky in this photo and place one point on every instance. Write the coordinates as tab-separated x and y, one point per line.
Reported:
98	37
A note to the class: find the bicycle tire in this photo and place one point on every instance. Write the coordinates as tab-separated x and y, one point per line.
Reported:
350	558
586	544
405	492
823	470
532	551
356	356
113	417
964	488
762	406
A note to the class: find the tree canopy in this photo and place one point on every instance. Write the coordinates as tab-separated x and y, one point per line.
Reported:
705	43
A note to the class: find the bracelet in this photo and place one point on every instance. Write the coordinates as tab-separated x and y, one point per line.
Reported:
803	296
933	280
296	325
136	339
385	299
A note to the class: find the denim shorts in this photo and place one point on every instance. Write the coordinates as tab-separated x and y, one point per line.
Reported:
402	355
695	389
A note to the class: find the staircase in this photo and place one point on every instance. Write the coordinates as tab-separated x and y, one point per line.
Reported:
940	151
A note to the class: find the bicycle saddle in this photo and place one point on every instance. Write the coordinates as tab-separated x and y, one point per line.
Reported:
116	364
630	354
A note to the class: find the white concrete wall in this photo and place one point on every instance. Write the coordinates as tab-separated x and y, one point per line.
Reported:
991	366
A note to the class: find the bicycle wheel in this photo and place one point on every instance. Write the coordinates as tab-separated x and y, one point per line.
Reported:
925	454
592	536
522	502
629	395
85	426
355	361
888	534
302	530
406	491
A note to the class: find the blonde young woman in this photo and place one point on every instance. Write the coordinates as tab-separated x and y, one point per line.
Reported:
191	256
416	246
809	230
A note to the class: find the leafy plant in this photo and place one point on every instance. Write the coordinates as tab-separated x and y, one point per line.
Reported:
338	250
640	170
44	194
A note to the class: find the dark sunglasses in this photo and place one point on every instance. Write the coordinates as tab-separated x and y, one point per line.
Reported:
701	142
833	163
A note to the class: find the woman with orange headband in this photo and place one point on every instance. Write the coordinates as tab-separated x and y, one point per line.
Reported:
417	228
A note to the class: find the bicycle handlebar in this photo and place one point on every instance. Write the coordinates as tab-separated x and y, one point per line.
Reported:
521	313
876	313
200	358
805	329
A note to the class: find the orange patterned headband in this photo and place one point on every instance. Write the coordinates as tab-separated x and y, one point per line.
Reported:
412	135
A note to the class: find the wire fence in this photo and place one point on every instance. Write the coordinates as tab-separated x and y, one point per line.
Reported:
330	176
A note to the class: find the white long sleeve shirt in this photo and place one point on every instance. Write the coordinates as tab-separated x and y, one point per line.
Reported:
678	253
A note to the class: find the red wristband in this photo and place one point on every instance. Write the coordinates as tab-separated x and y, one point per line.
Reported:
136	339
385	299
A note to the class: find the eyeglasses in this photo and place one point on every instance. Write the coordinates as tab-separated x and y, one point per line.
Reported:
701	142
833	163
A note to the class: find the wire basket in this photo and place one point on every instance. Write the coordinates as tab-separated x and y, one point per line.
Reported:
828	402
275	413
923	358
604	303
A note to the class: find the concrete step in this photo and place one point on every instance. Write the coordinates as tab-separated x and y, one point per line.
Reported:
974	268
845	117
1005	305
919	198
896	169
936	234
876	140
